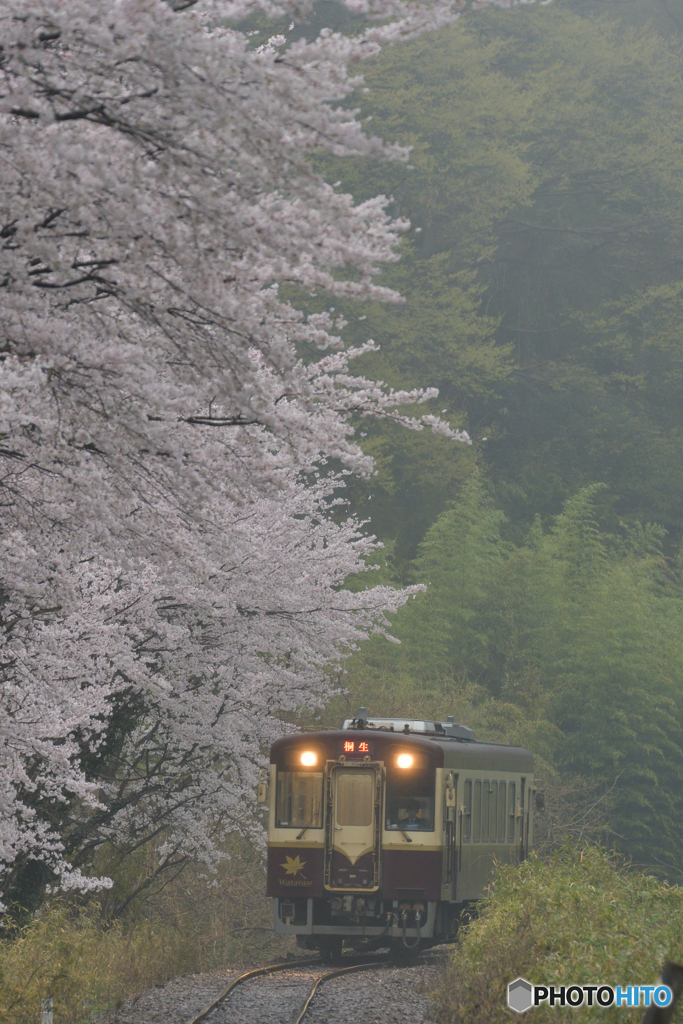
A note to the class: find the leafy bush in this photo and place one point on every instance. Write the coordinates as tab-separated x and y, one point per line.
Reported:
88	962
579	917
83	966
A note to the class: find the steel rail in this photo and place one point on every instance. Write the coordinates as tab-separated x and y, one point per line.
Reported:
387	960
335	974
289	965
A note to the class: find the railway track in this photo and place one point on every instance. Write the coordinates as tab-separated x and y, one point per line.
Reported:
359	964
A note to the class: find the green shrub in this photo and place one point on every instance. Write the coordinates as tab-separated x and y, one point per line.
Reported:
82	965
577	918
89	963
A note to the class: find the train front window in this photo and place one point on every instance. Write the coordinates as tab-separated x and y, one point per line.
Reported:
355	797
299	800
410	799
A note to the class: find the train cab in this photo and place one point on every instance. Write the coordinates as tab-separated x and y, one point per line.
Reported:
382	832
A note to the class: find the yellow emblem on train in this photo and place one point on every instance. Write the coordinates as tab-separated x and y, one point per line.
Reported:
294	865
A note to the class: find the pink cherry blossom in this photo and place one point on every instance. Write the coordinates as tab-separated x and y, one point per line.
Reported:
169	548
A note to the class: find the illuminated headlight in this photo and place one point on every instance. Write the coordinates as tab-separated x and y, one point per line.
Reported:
404	760
309	758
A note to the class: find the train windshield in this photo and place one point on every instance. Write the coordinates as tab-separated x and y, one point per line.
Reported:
299	800
410	800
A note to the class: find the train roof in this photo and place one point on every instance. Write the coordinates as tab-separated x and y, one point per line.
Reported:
455	748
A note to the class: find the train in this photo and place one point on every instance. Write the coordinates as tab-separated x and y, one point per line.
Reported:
385	832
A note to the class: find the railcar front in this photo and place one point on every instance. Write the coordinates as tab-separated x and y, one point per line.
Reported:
366	832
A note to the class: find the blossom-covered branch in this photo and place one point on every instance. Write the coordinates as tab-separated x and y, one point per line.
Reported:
172	581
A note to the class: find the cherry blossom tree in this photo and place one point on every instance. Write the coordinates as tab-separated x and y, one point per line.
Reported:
172	578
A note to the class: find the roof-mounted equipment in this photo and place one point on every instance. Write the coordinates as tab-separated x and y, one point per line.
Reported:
449	728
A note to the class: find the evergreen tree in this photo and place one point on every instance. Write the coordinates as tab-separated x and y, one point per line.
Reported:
543	277
570	642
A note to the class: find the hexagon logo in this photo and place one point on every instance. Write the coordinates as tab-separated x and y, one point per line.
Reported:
520	995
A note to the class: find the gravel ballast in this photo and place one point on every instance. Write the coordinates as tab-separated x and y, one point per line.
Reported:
384	995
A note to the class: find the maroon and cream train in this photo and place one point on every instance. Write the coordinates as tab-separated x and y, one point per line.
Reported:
381	833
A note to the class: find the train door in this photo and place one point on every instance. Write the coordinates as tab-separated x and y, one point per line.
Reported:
450	848
354	796
523	822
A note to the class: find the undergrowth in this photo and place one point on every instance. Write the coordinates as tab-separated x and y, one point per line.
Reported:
90	964
579	917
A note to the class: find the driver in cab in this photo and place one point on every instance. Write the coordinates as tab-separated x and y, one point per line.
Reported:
410	815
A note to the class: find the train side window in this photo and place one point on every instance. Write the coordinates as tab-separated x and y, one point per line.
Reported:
485	805
511	811
493	811
476	812
467	813
501	812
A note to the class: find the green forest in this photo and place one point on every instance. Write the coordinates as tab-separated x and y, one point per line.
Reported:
543	285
